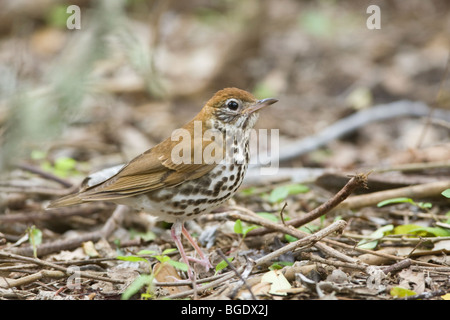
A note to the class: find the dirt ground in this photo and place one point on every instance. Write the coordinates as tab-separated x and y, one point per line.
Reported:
360	95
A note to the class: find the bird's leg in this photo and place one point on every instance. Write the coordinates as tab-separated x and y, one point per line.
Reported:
176	236
177	229
204	261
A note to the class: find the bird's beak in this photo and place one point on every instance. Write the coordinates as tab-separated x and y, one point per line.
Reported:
260	104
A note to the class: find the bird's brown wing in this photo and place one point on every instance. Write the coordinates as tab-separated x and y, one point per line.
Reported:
150	171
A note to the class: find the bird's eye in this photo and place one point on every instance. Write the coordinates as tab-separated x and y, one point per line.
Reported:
232	104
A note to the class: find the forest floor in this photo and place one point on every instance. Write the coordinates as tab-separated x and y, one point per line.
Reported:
362	128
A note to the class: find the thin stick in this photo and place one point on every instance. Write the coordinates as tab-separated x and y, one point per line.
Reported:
35	277
236	272
307	241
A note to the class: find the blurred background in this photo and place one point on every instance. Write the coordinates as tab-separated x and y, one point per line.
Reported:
136	70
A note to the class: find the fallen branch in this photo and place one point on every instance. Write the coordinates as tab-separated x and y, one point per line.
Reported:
35	277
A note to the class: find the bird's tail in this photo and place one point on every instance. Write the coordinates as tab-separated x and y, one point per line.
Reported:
69	200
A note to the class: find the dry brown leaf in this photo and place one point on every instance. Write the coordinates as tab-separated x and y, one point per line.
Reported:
168	273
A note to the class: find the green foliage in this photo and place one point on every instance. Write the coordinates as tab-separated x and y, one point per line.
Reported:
446	193
248	191
223	264
147	279
421	205
35	238
419	231
278	194
309	228
141	281
57	16
146	236
399	292
62	167
281	193
379	233
239	228
277	265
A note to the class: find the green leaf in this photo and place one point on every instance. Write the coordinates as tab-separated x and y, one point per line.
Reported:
146	236
248	191
277	265
394	201
223	264
38	155
446	193
163	259
422	205
170	250
248	229
416	230
399	292
278	194
290	238
35	238
146	252
132	259
136	285
179	265
238	226
281	193
379	233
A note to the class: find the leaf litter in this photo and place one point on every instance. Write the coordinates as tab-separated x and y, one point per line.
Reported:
396	250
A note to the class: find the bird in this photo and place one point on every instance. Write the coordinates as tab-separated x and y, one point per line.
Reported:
195	170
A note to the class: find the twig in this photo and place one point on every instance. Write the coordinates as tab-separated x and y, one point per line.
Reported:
355	182
339	264
236	272
35	277
281	213
307	241
396	267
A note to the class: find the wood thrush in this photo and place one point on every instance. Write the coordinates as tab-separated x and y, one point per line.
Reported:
178	180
